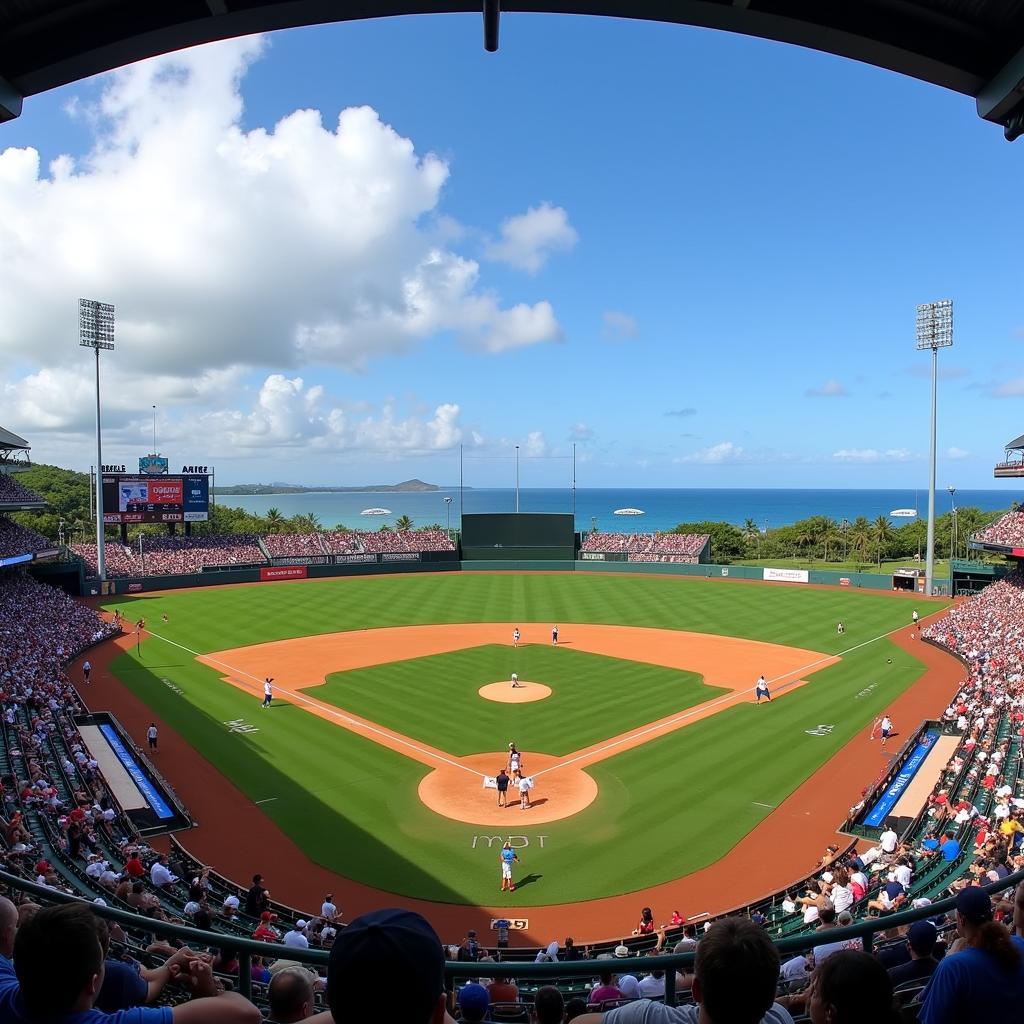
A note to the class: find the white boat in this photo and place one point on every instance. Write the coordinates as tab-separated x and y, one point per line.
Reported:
375	512
904	513
629	512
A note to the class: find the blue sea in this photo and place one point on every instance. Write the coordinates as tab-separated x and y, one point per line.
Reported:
663	509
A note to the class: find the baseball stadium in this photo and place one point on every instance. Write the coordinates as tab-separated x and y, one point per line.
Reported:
577	762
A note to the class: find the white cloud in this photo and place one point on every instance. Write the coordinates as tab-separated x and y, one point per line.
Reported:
618	326
527	240
288	413
1013	388
957	453
581	432
270	248
688	411
724	451
536	446
832	388
874	455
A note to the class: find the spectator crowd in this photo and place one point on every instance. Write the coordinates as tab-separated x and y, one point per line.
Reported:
682	548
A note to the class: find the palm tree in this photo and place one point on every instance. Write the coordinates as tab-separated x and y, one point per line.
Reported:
308	522
860	536
803	538
403	524
881	531
830	535
275	521
752	533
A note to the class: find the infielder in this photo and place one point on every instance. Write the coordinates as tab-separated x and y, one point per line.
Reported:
761	689
515	637
554	635
268	692
507	858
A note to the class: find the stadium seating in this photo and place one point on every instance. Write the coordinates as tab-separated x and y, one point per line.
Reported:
684	548
1007	530
162	556
18	540
293	545
13	492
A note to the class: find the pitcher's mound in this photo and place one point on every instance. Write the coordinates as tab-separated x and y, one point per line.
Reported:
506	693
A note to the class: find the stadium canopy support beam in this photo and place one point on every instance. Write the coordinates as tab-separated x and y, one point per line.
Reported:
10	101
492	16
1002	99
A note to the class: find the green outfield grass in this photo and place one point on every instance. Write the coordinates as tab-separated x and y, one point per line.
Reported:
664	809
593	697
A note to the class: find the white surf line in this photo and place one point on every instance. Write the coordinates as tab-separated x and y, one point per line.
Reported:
334	712
690	712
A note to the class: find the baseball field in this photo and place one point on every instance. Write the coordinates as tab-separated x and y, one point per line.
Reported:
392	705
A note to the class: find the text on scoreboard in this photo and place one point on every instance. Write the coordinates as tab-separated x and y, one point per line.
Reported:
156	499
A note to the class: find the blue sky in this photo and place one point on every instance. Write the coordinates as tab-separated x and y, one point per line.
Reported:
693	254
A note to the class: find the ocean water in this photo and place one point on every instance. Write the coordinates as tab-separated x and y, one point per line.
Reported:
663	508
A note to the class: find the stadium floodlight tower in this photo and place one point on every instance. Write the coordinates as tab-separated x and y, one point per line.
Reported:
934	331
96	331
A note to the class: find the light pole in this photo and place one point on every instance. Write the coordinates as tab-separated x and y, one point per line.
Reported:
934	331
517	478
448	513
96	331
154	430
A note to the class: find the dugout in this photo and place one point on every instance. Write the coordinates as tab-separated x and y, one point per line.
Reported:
516	536
971	576
909	579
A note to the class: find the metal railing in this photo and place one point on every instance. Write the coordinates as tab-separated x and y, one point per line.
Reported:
545	972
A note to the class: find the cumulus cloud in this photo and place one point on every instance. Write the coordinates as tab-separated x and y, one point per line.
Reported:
289	413
618	326
536	446
832	388
581	432
874	455
527	240
724	451
223	247
956	454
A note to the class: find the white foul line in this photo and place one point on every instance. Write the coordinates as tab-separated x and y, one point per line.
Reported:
658	727
394	737
627	738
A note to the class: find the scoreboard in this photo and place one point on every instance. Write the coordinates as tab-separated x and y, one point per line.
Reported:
155	499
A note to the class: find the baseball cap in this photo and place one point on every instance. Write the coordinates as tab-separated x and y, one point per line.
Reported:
472	998
300	924
375	949
232	901
622	952
974	905
922	936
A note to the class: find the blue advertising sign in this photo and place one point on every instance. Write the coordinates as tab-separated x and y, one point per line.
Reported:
888	799
146	788
195	498
153	465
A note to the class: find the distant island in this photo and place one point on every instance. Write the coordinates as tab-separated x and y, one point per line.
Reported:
278	488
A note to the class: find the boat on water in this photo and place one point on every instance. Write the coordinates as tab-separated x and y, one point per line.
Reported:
629	512
375	512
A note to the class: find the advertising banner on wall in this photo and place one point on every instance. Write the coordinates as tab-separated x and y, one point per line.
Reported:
283	572
787	575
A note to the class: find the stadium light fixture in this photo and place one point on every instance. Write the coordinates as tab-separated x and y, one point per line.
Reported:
448	513
517	478
96	331
934	331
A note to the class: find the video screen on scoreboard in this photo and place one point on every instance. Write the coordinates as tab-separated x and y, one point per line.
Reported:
155	499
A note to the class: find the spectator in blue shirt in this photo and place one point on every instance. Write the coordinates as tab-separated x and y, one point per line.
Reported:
983	981
58	972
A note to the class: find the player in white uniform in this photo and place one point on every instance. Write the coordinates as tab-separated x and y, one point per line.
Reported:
761	689
515	759
515	637
515	680
268	692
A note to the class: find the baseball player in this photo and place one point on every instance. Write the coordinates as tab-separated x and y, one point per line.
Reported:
886	725
515	637
268	692
515	680
515	759
86	670
507	858
761	689
554	636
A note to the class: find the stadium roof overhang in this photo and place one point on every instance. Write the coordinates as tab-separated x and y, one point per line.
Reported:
1015	445
975	47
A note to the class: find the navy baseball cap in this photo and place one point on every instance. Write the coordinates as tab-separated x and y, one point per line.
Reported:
473	1001
974	905
922	936
371	953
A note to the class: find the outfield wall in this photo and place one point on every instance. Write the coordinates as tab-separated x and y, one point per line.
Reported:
431	561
